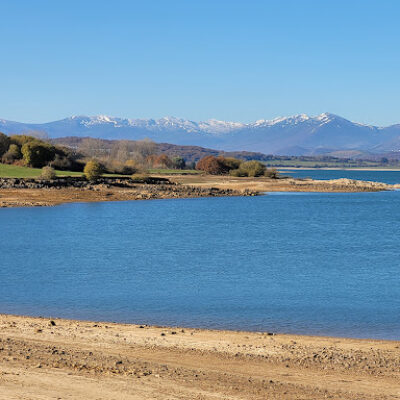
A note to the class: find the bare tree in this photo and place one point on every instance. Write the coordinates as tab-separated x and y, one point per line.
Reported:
93	148
122	151
145	148
41	135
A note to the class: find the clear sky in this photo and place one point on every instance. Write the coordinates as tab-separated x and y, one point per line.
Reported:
199	59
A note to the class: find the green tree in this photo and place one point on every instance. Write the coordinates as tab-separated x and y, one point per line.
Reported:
20	140
178	162
4	143
13	154
37	154
230	162
93	170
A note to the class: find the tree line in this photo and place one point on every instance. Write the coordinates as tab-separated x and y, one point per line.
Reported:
125	157
30	151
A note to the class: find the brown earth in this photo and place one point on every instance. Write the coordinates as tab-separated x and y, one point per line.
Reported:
63	359
17	197
187	186
263	184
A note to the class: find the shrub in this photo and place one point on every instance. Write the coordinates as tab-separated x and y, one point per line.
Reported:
211	165
140	178
272	173
48	173
93	170
252	168
37	154
237	172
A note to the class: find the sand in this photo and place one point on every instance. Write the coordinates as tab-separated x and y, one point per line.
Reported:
91	360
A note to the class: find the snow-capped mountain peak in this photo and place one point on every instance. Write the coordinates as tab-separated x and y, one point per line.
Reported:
297	134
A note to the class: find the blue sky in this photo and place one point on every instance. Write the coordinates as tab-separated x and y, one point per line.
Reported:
230	60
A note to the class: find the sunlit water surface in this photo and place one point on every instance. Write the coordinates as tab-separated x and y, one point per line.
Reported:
305	263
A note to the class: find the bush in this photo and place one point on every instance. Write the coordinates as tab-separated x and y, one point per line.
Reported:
237	172
272	173
252	168
211	165
140	178
37	154
93	170
48	173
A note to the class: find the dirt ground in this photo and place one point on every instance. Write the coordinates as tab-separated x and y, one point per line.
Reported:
206	185
263	184
63	359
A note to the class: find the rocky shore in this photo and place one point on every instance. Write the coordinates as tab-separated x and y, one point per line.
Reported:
38	192
43	358
16	192
285	184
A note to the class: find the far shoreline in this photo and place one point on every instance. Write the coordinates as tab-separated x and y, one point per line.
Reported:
35	192
338	169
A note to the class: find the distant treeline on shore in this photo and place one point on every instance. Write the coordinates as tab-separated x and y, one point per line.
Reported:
192	154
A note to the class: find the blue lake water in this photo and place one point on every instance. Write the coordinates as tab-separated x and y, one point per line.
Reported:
391	177
297	263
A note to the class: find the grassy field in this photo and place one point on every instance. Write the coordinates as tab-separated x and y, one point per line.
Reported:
13	171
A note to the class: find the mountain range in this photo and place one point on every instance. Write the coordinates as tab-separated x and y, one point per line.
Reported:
295	135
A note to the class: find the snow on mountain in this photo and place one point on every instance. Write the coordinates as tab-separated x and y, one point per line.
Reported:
298	134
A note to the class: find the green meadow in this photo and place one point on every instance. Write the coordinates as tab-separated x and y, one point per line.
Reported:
14	171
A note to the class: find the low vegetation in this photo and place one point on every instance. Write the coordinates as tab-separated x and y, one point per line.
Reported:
234	167
30	151
26	155
48	173
93	170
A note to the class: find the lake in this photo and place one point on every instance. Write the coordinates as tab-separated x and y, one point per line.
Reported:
325	264
391	177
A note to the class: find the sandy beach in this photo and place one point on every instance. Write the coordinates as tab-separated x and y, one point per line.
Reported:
43	358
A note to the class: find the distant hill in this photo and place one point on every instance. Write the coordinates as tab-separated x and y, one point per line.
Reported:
189	153
297	135
192	154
